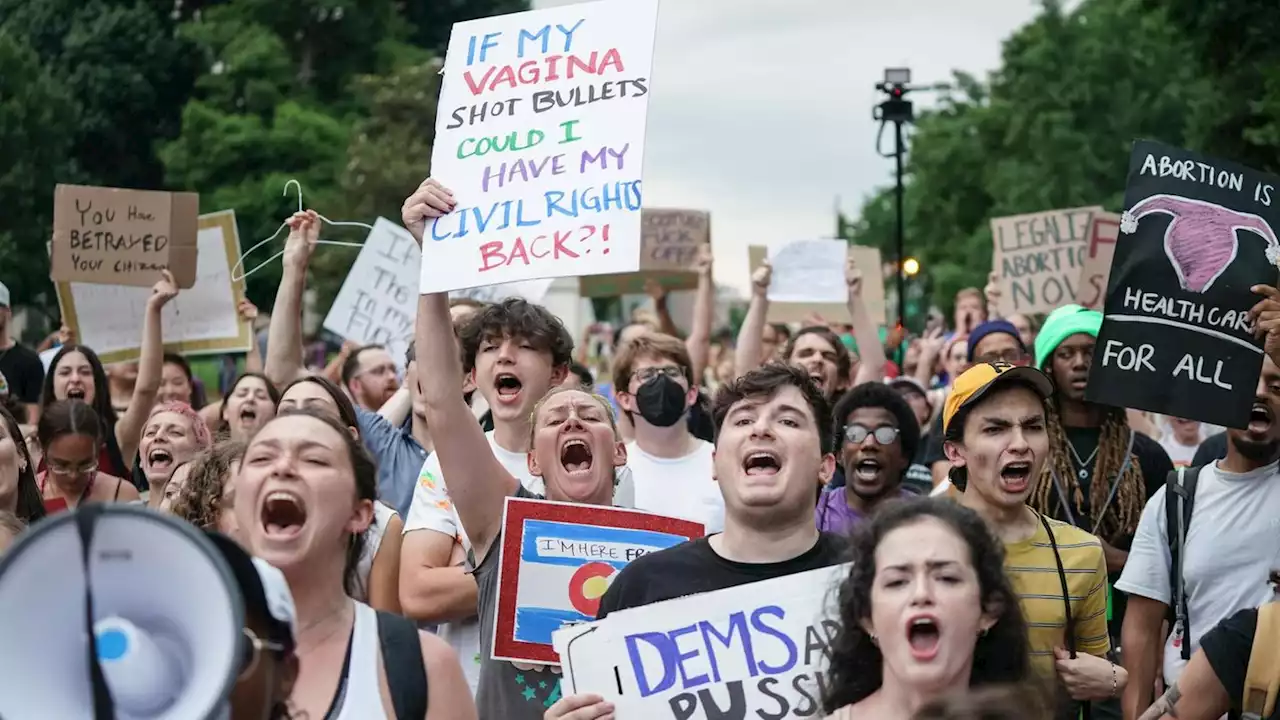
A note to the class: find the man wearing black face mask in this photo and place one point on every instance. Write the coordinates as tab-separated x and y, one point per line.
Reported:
670	467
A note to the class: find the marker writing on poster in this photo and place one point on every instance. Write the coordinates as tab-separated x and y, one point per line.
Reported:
1205	174
1040	257
746	652
1140	359
105	230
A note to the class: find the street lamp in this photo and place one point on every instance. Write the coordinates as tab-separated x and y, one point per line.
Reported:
910	267
897	110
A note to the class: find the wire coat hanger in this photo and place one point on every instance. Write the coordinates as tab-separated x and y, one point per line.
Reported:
283	225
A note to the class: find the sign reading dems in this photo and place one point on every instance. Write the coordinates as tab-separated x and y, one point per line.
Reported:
1176	338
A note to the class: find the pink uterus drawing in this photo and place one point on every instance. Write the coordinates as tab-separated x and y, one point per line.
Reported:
1201	238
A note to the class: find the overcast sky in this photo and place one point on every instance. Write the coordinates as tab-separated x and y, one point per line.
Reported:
760	110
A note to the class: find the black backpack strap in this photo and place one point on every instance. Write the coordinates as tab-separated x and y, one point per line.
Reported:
1179	500
406	670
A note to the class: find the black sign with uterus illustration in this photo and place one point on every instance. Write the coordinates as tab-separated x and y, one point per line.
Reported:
1197	233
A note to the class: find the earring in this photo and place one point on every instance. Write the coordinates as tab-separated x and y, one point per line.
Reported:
983	632
874	640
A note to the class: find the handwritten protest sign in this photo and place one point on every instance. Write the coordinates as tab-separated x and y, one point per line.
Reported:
1101	236
557	561
722	654
669	242
1038	258
868	261
1197	233
540	135
379	300
123	237
200	320
531	290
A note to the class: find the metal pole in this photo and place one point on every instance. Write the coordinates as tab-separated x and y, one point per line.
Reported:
902	256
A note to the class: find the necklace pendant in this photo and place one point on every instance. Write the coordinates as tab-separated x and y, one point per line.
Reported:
1084	474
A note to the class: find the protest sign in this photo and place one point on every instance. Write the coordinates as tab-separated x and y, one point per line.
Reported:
123	237
540	136
669	242
200	320
868	261
1196	234
378	300
757	647
1038	258
557	561
1103	230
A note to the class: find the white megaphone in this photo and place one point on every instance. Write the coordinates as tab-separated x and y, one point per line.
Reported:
166	619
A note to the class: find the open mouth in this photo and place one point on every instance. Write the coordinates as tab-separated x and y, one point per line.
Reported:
576	456
867	470
924	635
248	413
75	393
508	386
817	378
1260	418
283	513
160	459
1016	476
762	463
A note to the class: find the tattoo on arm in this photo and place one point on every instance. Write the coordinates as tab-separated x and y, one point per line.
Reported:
1166	705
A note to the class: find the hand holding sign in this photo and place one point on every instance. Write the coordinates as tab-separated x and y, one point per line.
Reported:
852	276
430	200
1266	318
586	706
248	311
163	291
704	260
760	279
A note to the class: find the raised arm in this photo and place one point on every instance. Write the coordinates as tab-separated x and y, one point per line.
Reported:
658	294
704	310
284	337
866	331
477	482
150	368
248	314
751	336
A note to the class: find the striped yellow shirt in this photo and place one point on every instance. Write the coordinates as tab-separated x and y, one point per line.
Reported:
1034	574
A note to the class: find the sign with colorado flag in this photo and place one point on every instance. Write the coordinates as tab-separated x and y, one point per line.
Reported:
556	562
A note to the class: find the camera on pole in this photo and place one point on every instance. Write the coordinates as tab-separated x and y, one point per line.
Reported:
897	110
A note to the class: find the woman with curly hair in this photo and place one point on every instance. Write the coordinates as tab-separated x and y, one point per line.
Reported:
925	612
206	499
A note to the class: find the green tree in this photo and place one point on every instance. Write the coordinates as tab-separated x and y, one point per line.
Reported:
1052	128
37	127
433	21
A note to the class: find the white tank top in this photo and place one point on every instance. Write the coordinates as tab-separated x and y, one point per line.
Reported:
363	698
382	515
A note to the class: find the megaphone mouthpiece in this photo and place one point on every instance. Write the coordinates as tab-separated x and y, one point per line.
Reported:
143	675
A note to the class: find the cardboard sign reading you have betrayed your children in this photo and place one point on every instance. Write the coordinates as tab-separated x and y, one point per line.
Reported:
1196	235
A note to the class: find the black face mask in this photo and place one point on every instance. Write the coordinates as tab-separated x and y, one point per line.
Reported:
661	401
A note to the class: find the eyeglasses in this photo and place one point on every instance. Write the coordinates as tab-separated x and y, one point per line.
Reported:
646	374
58	467
857	434
252	649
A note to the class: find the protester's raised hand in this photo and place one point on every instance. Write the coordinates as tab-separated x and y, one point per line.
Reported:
932	342
66	336
760	278
430	200
304	233
580	707
655	290
852	275
1266	318
248	311
163	291
702	263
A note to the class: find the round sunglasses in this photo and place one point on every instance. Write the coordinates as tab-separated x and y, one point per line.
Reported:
857	434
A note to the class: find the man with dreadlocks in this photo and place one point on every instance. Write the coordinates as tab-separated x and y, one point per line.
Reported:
1100	473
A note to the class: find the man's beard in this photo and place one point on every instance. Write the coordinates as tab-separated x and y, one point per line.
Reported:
1259	452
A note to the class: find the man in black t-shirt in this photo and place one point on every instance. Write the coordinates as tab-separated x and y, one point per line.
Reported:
771	452
21	372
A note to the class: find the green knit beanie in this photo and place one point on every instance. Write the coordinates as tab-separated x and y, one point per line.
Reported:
1061	324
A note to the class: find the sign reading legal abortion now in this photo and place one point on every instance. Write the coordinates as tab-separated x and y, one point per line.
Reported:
1197	234
753	650
379	300
558	559
1038	258
540	136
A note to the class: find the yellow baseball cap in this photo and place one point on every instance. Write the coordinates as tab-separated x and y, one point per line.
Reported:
978	380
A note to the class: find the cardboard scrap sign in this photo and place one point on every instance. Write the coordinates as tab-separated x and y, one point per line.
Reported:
873	293
1038	258
1104	230
669	242
558	559
758	647
123	237
1196	235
